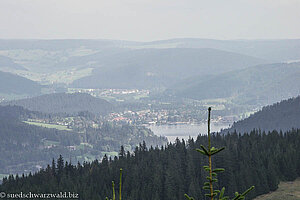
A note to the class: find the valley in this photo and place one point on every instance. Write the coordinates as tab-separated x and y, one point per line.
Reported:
118	102
150	100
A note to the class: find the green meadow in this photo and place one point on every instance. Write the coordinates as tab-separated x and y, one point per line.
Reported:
58	127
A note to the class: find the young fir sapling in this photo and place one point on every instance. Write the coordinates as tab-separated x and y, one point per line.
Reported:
113	188
214	194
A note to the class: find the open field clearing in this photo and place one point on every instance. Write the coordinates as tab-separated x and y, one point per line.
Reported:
285	191
58	127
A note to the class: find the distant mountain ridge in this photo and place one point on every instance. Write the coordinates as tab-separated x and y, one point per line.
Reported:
64	103
51	61
261	84
148	68
284	116
272	50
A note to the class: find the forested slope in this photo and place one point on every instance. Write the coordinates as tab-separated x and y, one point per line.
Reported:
151	68
27	147
8	63
168	172
64	103
284	115
23	146
256	85
14	84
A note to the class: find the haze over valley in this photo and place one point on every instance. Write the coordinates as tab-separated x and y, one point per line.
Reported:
162	85
152	83
149	100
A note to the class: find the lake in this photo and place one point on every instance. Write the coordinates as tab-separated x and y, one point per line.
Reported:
185	130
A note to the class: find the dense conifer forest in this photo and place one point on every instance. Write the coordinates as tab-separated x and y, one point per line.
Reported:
283	116
168	172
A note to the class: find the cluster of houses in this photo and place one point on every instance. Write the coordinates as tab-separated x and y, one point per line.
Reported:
161	117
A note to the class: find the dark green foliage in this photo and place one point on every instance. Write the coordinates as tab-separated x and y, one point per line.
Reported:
279	116
212	178
255	85
24	145
28	146
166	173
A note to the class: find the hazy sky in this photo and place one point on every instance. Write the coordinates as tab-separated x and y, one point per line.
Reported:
145	20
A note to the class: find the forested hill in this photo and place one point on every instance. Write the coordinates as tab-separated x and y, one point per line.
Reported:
64	103
169	172
261	84
148	68
14	84
25	147
15	113
8	63
284	115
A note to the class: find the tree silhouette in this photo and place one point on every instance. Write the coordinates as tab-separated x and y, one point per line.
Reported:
212	178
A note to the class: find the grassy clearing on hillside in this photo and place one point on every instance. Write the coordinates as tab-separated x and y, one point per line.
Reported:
137	97
2	176
9	97
110	153
88	157
50	142
286	191
83	145
68	76
216	101
58	127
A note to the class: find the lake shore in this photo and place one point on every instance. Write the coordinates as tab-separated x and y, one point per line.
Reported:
184	131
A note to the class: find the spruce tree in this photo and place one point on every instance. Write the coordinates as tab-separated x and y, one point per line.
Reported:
215	194
113	188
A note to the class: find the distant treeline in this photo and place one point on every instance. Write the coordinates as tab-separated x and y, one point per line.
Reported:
166	173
